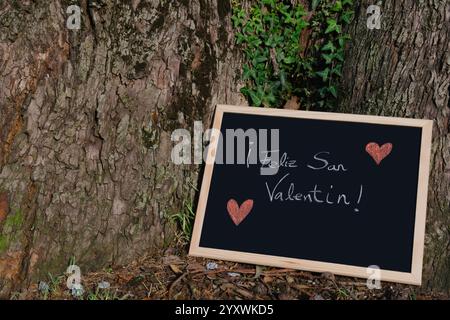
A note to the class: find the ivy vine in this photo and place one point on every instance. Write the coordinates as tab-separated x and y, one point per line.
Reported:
292	51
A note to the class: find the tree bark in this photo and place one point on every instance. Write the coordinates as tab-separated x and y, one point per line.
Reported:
86	118
403	70
85	126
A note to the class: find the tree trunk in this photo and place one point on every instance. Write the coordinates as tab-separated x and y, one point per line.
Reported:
86	117
85	126
403	70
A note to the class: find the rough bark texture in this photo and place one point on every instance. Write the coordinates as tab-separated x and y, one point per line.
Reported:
86	118
85	124
403	70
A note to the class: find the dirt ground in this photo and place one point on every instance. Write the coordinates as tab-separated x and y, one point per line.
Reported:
173	275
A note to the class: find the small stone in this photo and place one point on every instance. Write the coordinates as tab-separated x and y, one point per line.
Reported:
77	290
317	297
104	285
233	274
211	266
43	287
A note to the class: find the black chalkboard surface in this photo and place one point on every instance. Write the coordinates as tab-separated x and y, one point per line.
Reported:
316	191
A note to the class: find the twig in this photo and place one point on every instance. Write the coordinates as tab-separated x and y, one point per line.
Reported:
248	271
177	280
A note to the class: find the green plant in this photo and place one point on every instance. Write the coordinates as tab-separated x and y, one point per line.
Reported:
342	294
290	51
102	294
53	286
72	261
329	44
108	270
14	220
4	243
185	220
15	295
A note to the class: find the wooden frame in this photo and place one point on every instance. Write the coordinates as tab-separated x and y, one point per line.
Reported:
414	277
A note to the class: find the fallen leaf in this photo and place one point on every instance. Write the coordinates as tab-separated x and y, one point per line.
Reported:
124	277
175	268
302	286
227	286
245	293
292	104
4	206
172	259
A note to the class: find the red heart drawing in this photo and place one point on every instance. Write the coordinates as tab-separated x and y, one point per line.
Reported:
378	153
238	214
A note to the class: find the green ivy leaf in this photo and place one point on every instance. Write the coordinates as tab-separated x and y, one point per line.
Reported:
337	71
323	92
315	4
240	38
323	74
271	99
347	16
274	25
256	42
329	47
248	73
328	58
337	7
245	91
269	2
333	91
255	99
289	60
260	59
340	55
332	26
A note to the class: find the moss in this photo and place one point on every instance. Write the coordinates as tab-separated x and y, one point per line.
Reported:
15	220
4	243
150	138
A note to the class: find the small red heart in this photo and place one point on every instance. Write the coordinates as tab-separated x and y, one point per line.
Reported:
378	153
238	214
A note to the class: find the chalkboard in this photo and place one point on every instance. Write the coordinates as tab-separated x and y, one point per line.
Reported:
315	191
